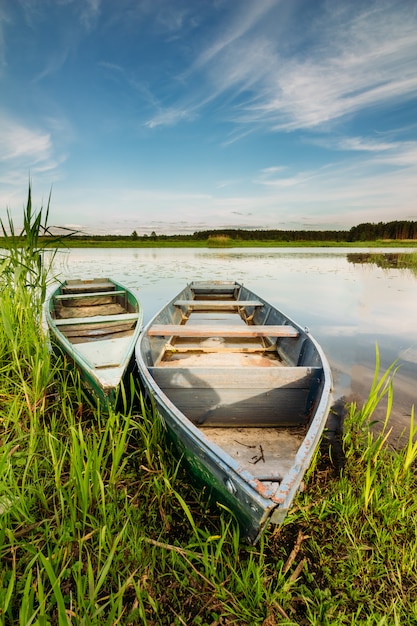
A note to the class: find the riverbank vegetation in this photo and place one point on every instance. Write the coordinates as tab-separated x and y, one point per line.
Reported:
397	233
99	525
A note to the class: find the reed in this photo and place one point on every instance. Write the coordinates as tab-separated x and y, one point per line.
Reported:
99	524
220	241
24	279
27	265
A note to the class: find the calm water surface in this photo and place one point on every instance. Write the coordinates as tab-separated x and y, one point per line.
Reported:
350	308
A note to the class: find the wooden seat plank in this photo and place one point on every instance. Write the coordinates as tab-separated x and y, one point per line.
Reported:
97	319
217	304
178	330
89	294
227	348
87	285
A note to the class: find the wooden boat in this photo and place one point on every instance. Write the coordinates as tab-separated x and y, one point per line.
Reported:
95	324
244	392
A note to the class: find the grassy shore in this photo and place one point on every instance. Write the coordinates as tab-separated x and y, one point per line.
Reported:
234	243
99	525
212	242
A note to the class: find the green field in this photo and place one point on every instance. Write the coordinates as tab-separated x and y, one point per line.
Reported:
74	242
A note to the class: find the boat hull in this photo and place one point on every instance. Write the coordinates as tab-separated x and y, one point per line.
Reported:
244	393
94	324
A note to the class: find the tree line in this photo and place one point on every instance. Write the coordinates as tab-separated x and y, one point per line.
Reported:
399	229
362	232
367	231
389	230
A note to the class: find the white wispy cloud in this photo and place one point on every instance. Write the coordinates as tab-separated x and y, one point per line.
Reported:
339	195
28	152
273	169
90	13
403	154
243	22
283	181
34	10
397	153
360	58
4	21
349	188
19	142
365	144
206	87
53	64
353	57
169	117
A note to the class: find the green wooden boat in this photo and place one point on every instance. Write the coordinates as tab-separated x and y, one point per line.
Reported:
244	392
95	324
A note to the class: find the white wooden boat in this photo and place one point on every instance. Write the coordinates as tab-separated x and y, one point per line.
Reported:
95	324
244	392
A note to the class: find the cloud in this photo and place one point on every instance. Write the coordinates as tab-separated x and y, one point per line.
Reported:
259	71
4	20
273	169
28	152
20	142
199	86
35	10
170	117
362	58
90	13
352	57
232	182
403	154
396	153
363	144
373	181
53	64
283	181
242	23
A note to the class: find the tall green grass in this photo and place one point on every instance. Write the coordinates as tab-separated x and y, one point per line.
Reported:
360	528
100	526
24	266
24	354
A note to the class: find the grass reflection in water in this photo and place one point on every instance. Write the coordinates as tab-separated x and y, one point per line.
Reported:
389	260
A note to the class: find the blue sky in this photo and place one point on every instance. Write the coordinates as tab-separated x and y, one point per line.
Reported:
180	115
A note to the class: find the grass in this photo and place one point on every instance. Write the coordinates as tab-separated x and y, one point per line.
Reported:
99	526
398	260
219	241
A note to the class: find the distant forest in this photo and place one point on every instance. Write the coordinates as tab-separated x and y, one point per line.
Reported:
363	232
388	231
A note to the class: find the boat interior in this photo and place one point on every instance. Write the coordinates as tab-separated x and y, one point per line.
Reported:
93	310
240	370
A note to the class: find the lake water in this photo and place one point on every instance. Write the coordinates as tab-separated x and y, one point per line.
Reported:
348	307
